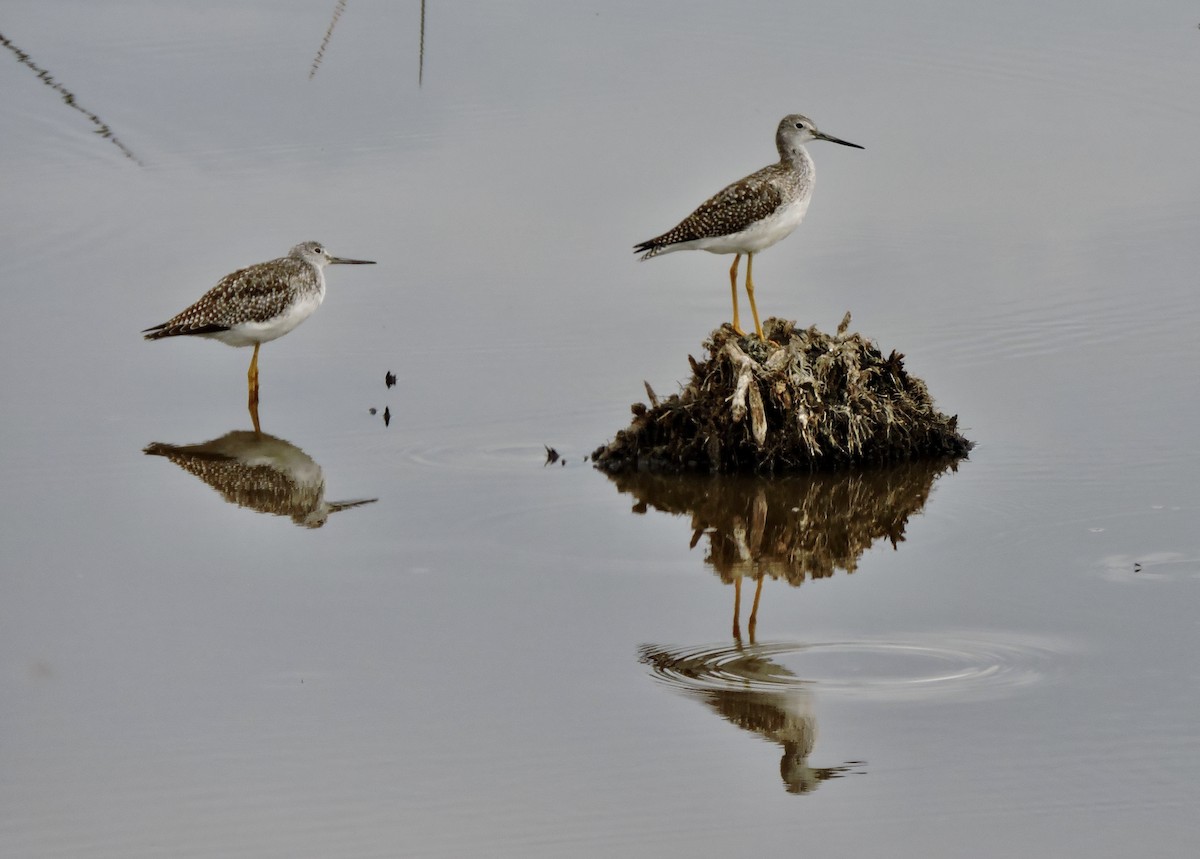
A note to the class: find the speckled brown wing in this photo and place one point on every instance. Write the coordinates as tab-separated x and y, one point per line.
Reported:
729	211
261	487
253	294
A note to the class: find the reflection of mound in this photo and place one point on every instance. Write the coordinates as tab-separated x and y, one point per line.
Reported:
804	401
790	528
259	472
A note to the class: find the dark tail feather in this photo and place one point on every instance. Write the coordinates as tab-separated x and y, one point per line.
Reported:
647	248
157	332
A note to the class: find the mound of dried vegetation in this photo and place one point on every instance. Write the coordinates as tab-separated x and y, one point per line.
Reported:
803	401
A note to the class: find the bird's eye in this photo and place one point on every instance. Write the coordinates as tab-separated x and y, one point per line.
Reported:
318	250
799	124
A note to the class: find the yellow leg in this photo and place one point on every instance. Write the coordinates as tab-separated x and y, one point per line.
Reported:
750	292
252	379
737	609
754	608
733	288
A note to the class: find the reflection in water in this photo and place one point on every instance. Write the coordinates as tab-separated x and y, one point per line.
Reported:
757	695
788	528
337	13
261	472
68	98
421	58
338	9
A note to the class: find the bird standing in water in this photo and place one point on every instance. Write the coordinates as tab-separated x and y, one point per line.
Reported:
753	213
256	304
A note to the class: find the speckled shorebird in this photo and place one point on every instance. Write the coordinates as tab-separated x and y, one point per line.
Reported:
258	303
753	213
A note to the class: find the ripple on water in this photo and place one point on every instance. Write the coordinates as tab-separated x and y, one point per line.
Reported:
960	667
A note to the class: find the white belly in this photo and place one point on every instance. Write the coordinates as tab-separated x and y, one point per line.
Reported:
249	333
759	236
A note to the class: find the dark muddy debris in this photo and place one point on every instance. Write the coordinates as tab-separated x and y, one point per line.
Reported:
803	401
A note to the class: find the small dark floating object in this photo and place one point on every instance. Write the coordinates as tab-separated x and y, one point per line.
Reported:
389	378
387	416
372	410
805	401
552	455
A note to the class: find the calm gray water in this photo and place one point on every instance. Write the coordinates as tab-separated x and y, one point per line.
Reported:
501	658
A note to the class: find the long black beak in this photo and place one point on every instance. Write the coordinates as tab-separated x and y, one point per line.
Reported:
344	261
820	135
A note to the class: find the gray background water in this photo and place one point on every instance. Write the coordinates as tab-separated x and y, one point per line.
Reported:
464	666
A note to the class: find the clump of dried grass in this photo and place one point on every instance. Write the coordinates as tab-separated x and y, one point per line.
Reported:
804	401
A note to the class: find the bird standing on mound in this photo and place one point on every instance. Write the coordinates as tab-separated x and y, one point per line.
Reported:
753	213
256	304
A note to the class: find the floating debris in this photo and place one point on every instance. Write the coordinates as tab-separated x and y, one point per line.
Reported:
372	410
551	456
387	416
802	401
389	378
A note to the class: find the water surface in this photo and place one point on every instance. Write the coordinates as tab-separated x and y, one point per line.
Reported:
505	658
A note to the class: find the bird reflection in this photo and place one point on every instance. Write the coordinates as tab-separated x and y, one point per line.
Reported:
783	717
259	472
788	528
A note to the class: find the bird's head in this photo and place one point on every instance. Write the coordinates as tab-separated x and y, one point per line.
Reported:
796	129
317	254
